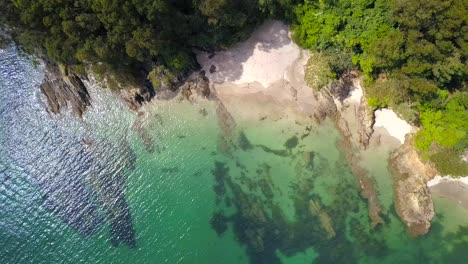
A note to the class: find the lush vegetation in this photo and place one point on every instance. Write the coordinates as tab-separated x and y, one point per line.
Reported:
412	53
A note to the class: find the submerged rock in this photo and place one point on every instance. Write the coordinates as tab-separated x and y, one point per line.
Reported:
413	199
291	142
326	223
244	142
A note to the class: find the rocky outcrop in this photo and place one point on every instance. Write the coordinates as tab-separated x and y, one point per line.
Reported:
366	120
366	183
413	201
354	121
196	87
5	38
135	97
64	89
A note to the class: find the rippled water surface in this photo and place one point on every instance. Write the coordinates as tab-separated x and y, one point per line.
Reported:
179	189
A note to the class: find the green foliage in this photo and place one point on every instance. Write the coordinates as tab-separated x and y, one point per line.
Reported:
318	72
374	103
445	127
153	77
448	162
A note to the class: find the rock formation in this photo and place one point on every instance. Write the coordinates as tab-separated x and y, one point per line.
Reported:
325	220
354	121
135	97
366	120
413	199
63	89
198	86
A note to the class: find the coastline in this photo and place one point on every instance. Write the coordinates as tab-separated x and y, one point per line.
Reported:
263	78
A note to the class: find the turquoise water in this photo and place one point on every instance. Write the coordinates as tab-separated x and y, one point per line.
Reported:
181	190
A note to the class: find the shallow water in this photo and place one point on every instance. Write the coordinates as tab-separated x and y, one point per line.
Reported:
185	192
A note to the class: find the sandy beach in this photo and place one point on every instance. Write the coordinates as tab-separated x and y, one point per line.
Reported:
266	73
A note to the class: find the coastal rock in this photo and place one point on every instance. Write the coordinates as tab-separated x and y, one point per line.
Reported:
366	120
413	199
5	38
354	121
63	89
196	87
135	97
366	183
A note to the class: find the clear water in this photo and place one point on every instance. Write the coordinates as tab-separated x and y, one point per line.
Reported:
180	191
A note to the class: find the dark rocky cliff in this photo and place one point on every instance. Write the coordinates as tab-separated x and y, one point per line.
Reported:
64	89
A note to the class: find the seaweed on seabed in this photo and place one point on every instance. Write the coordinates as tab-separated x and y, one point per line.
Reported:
291	142
112	195
244	142
279	152
220	172
219	222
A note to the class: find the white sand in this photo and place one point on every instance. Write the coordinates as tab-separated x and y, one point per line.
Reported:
396	126
263	58
438	179
356	94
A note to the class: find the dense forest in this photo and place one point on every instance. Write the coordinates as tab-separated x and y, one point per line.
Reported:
412	53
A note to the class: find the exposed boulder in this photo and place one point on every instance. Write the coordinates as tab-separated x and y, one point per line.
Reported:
135	97
196	87
413	199
63	89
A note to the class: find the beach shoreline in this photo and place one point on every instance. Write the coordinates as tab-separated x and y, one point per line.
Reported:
263	78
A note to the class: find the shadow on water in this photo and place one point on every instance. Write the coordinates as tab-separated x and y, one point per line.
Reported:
93	195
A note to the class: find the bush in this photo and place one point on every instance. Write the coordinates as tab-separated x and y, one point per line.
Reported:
153	77
318	72
448	162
